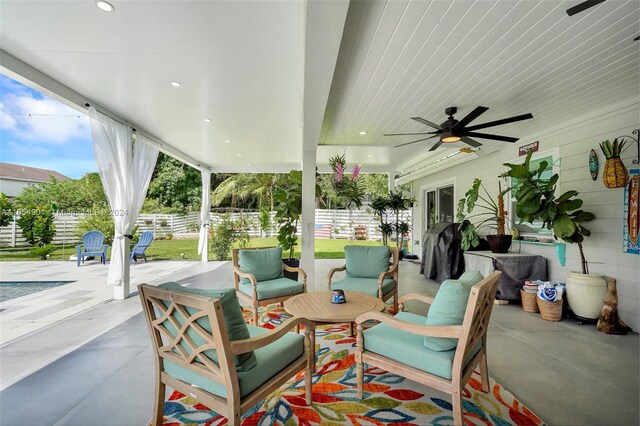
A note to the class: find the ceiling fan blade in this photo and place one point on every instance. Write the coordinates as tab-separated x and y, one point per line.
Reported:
419	140
435	146
404	134
428	123
471	116
471	142
493	137
583	6
500	122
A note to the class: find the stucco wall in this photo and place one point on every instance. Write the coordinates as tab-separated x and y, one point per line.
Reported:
603	249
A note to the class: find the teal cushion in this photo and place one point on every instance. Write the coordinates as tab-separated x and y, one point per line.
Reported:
366	262
264	264
409	349
363	285
448	308
271	359
234	321
273	288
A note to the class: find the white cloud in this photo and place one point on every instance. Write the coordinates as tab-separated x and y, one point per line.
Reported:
44	120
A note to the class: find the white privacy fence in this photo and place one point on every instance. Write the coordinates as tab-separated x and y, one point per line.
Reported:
329	223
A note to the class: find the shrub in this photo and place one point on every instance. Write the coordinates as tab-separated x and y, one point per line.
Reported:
36	223
98	220
6	210
224	234
43	251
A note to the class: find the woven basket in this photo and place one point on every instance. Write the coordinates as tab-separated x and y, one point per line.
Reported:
551	311
529	301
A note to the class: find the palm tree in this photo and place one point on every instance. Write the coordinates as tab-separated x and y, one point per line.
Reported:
242	187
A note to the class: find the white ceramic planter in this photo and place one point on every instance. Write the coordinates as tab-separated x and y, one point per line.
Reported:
585	293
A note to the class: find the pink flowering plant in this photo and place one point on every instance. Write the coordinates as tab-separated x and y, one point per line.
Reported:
348	187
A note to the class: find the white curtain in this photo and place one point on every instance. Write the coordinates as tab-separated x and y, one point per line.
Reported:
203	246
125	170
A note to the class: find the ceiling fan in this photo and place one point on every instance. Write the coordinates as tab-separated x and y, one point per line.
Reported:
453	130
583	6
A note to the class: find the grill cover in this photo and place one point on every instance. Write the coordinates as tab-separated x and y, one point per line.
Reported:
441	252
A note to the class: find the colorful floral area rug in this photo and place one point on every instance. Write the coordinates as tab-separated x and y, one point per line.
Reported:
388	398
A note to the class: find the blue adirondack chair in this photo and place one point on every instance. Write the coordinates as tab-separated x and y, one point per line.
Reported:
138	250
92	245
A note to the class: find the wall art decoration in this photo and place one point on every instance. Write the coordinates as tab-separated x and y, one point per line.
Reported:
593	164
631	217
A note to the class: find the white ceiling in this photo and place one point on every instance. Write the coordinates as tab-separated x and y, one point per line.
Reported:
401	59
242	64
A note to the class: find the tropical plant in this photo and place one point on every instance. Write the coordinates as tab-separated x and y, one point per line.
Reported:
175	185
43	251
491	212
536	200
36	223
288	207
379	206
348	187
6	210
397	202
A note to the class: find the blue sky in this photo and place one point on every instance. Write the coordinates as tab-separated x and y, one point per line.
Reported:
38	131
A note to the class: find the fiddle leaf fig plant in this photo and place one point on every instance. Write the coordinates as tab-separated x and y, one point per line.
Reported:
536	200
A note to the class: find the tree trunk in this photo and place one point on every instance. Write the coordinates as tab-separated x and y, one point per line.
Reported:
583	261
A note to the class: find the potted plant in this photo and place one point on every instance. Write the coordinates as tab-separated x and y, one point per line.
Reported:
288	207
491	211
397	202
379	205
536	200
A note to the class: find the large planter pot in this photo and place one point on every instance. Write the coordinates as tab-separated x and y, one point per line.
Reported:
585	293
294	263
499	243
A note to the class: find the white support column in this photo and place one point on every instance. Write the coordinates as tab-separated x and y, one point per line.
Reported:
205	213
392	181
121	292
307	261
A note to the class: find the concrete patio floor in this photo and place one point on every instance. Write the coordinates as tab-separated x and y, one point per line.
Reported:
566	373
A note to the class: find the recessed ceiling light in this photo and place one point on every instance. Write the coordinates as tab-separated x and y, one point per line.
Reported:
207	120
239	155
105	5
248	164
176	84
363	133
369	156
228	141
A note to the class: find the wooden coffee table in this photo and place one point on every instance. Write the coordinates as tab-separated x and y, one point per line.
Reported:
317	307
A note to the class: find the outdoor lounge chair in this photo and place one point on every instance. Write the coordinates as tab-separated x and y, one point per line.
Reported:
369	271
92	246
440	350
258	277
203	348
138	250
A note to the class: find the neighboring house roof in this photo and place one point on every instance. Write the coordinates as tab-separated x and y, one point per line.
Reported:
29	174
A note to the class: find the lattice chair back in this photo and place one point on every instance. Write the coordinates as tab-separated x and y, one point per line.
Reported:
477	315
93	241
176	321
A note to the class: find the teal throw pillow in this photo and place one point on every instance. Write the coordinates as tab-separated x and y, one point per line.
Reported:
264	264
366	262
234	321
448	308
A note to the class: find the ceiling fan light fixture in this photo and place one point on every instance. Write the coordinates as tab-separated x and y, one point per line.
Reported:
449	137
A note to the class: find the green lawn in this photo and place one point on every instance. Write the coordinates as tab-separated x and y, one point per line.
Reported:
188	249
